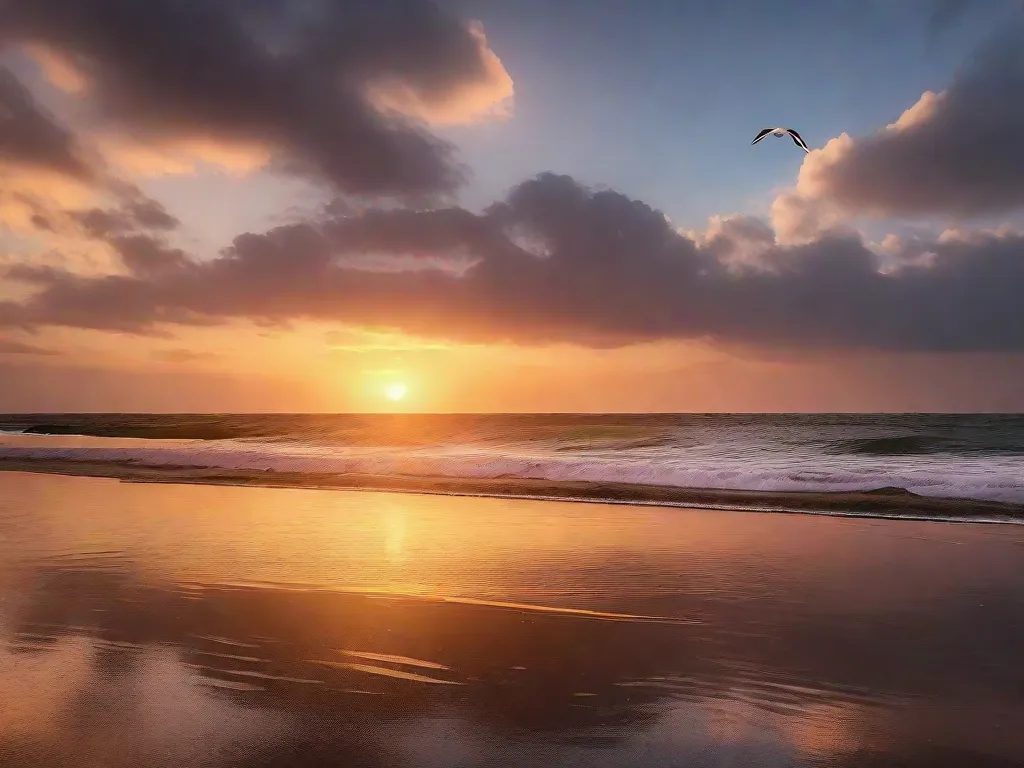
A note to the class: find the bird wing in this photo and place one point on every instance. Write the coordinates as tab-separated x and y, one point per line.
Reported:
761	135
798	139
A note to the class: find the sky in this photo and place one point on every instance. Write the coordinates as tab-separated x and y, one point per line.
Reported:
491	206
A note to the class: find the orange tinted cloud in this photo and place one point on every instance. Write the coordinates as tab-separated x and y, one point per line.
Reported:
52	215
181	156
489	96
173	156
923	110
798	217
49	179
24	192
59	70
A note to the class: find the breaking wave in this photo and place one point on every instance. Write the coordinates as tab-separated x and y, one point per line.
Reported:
963	478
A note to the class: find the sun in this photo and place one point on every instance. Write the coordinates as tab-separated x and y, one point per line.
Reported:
396	391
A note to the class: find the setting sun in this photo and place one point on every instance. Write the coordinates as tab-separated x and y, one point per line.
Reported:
396	391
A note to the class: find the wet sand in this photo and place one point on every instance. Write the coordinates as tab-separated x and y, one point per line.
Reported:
195	625
882	502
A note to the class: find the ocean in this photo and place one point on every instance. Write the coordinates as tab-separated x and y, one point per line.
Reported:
971	457
189	621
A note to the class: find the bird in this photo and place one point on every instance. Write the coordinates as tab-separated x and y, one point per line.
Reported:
797	138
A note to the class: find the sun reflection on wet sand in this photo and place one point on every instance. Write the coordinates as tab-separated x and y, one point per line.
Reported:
202	626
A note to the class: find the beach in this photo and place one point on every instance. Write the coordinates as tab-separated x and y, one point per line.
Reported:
197	625
883	502
435	384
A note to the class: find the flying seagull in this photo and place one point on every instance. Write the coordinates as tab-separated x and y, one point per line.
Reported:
797	139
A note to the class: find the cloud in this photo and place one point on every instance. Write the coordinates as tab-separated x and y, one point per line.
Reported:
333	90
315	86
955	153
612	271
146	256
800	218
56	186
59	72
174	157
182	356
31	138
140	213
489	96
41	162
58	190
129	233
12	347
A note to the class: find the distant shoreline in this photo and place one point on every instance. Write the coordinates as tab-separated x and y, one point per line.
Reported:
884	503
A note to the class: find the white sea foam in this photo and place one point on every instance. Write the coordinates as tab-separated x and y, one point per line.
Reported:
987	478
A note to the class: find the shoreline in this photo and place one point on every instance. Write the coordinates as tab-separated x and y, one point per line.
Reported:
883	503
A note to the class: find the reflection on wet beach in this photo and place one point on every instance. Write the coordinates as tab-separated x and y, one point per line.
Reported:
207	626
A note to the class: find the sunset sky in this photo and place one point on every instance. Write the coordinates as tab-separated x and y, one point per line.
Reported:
511	205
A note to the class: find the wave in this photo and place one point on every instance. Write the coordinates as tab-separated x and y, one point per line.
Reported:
560	435
826	435
891	503
902	445
922	445
990	480
143	432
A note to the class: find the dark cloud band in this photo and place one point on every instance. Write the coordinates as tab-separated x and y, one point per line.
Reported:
295	76
601	269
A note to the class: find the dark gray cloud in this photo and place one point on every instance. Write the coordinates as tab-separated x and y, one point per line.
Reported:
289	74
147	256
555	261
136	213
30	137
958	153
